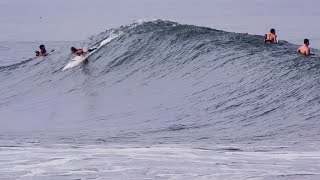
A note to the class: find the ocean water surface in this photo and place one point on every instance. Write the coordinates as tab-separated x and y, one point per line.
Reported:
161	100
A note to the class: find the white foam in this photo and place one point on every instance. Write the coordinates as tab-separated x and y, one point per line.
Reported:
169	162
111	37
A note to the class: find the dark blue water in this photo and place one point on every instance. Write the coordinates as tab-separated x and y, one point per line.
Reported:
169	85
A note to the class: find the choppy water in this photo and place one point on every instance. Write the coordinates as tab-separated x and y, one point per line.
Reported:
161	101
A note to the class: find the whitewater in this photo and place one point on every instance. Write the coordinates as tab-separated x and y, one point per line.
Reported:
160	100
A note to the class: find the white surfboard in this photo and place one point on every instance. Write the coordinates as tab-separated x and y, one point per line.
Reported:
76	61
79	59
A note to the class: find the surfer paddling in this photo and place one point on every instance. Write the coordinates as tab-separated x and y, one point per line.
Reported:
304	49
271	37
80	52
42	52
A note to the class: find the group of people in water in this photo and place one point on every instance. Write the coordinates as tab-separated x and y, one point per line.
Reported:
42	52
77	52
272	38
268	38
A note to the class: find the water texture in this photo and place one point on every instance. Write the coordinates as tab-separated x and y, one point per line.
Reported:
161	101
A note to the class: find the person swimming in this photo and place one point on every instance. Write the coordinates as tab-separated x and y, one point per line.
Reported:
43	51
81	52
78	52
304	49
271	37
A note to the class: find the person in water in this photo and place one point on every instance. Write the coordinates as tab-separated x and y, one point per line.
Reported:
43	51
80	52
37	53
271	37
304	49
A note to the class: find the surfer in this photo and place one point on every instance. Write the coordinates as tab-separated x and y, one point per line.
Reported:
304	49
271	37
77	52
80	52
43	51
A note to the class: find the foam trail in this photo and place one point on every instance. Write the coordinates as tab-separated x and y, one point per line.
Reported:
79	59
111	37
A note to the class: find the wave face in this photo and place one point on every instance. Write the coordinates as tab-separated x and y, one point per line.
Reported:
163	82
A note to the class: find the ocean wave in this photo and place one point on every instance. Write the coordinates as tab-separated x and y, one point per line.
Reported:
166	82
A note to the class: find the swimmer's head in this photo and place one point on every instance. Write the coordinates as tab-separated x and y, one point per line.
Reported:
273	31
306	41
73	50
41	46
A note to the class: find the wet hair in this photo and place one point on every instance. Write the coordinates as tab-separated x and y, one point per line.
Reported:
306	41
273	31
73	49
41	46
